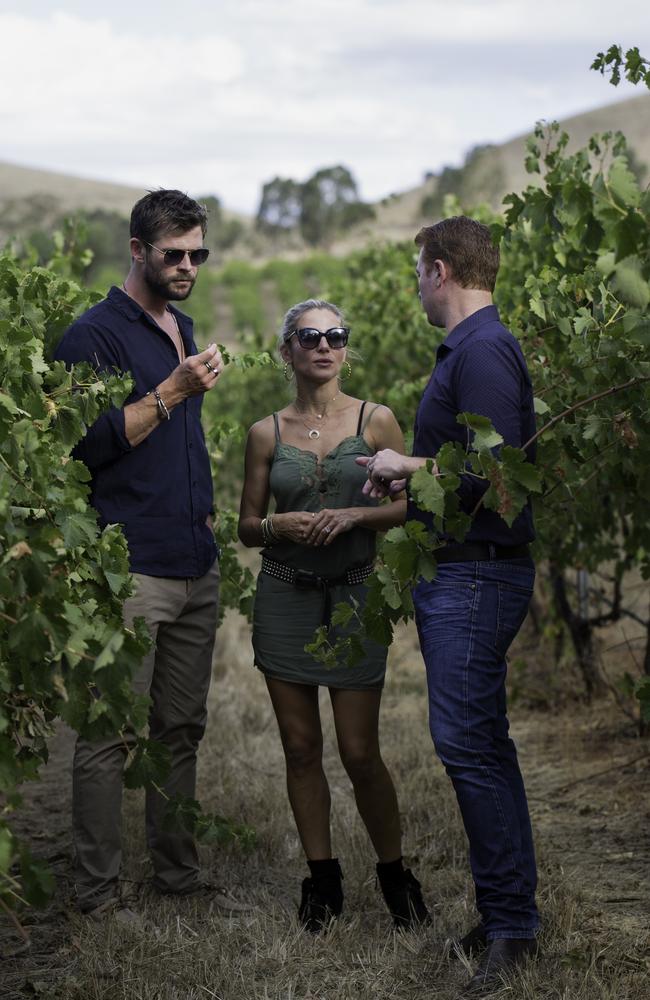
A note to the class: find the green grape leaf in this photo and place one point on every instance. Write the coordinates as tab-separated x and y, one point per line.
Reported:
631	284
149	763
485	436
622	183
427	490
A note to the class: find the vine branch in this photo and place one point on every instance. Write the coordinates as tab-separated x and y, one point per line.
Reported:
638	380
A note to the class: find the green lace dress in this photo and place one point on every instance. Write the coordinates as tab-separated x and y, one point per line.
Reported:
285	617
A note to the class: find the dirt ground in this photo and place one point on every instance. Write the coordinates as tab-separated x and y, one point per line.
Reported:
588	779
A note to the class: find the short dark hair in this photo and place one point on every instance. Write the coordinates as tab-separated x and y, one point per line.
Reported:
466	247
165	211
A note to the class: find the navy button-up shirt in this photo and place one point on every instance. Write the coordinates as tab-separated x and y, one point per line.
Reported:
161	490
479	369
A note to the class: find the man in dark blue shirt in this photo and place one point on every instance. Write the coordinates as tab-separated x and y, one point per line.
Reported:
469	614
151	474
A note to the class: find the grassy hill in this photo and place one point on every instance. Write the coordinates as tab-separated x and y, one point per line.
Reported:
500	169
31	198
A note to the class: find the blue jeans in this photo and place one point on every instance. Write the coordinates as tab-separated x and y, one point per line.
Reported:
466	618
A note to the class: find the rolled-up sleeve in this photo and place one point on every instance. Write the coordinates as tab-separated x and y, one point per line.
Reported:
106	440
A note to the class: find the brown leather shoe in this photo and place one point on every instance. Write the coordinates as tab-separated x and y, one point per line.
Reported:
113	909
215	896
501	957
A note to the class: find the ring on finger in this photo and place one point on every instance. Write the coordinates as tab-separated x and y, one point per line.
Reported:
210	367
327	529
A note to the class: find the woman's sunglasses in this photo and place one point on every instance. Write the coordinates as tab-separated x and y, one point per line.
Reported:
174	257
309	338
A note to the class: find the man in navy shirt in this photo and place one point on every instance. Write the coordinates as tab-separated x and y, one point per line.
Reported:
469	614
151	474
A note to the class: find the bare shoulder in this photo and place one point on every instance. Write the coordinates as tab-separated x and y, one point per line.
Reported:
379	415
261	436
381	428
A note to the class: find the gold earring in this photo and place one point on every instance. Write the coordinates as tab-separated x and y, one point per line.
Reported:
348	371
287	371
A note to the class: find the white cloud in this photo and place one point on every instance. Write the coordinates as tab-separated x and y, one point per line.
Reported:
222	98
65	64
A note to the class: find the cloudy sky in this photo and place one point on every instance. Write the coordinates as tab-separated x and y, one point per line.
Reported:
220	98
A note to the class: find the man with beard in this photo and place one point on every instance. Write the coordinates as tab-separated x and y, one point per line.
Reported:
469	614
150	473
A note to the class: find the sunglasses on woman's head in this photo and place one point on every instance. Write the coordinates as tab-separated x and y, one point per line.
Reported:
173	256
309	338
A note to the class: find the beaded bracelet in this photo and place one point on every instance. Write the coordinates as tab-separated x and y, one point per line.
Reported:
163	412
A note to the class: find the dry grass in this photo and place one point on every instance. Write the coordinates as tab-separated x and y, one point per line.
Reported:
595	945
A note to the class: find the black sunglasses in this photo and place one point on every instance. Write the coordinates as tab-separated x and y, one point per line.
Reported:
309	337
174	257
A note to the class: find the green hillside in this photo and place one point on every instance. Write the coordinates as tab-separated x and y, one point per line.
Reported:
31	198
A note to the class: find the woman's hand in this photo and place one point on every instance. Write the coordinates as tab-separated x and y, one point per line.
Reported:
327	524
295	526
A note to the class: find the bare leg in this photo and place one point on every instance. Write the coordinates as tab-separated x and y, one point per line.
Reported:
356	717
296	709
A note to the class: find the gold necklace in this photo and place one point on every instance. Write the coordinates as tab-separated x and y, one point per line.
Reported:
313	432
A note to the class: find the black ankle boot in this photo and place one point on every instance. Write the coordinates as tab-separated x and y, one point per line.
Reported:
403	895
322	895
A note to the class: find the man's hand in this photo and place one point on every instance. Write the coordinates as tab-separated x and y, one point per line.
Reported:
195	375
388	472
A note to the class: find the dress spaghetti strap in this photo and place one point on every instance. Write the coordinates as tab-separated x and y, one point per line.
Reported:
277	428
360	423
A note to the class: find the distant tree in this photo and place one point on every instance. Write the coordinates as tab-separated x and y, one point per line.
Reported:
280	205
330	203
223	233
325	204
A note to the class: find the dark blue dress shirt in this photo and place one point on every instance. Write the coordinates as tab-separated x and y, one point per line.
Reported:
160	491
479	369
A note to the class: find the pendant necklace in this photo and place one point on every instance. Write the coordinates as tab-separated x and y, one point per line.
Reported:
312	432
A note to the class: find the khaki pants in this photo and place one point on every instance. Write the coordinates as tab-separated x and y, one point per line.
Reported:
182	619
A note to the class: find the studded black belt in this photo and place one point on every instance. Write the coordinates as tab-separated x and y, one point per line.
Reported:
304	579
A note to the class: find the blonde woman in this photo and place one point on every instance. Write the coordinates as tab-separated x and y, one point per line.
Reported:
318	549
